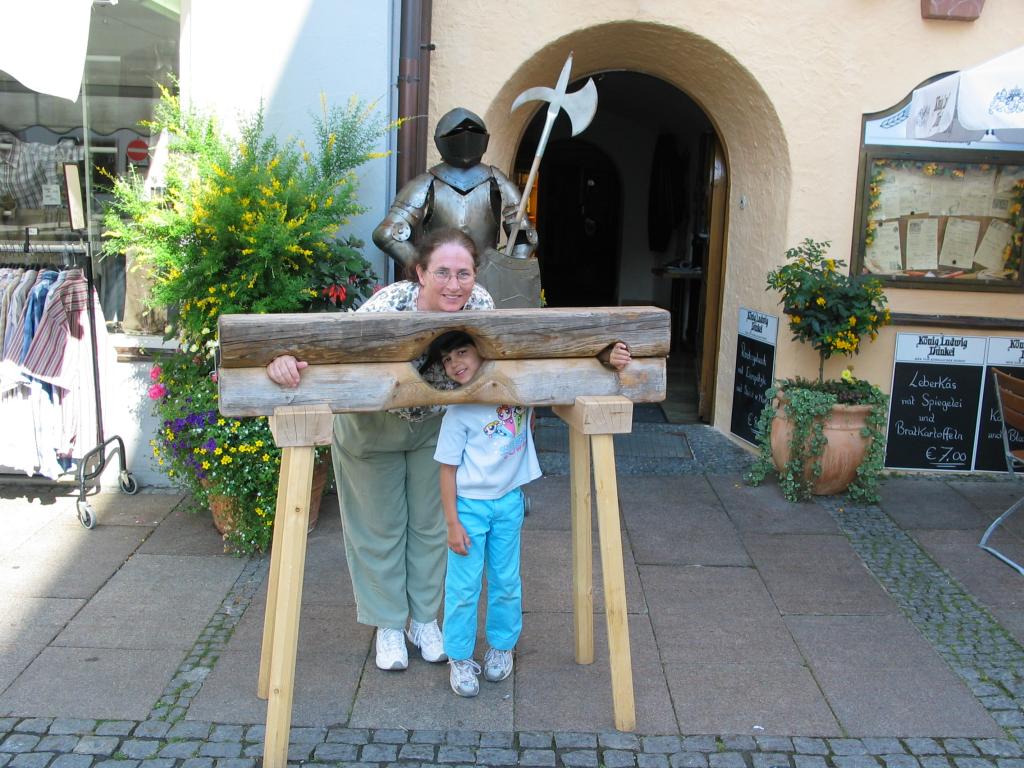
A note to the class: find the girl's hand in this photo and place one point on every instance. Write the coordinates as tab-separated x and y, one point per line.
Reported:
617	356
286	370
458	539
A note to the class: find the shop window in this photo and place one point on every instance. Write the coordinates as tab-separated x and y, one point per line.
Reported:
938	215
132	51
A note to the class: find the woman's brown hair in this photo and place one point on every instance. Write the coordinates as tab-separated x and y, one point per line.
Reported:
444	236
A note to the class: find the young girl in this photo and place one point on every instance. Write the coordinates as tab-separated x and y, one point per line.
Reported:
486	453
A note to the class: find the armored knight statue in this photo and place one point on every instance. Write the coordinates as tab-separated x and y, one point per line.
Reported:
477	198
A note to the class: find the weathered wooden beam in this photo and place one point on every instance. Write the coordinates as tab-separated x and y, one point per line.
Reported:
382	386
252	341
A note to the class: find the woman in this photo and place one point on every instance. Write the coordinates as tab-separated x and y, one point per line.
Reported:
388	481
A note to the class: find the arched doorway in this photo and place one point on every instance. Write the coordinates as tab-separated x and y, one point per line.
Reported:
624	214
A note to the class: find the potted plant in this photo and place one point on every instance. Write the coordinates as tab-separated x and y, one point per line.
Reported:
824	437
242	225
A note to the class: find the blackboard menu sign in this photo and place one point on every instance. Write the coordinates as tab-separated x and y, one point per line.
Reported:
1008	355
936	392
755	366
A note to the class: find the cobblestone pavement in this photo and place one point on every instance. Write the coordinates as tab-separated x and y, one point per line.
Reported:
61	743
966	636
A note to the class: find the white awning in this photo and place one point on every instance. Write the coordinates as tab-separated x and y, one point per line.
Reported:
45	44
966	105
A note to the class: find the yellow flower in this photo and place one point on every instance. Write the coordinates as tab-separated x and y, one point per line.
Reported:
221	422
796	319
830	265
853	320
266	457
846	375
206	465
218	451
226	459
820	301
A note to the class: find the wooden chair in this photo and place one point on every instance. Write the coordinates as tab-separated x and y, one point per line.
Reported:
1010	395
361	362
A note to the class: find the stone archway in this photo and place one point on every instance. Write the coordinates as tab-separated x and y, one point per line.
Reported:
744	119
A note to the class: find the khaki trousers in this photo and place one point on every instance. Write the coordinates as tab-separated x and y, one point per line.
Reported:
390	498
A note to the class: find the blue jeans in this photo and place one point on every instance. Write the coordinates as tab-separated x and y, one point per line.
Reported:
493	528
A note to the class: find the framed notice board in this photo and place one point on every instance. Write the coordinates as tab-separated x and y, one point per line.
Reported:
755	367
943	413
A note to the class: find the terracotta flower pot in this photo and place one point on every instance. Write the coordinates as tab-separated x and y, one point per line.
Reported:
845	447
222	507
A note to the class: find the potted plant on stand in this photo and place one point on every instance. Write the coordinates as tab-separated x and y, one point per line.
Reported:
824	436
246	225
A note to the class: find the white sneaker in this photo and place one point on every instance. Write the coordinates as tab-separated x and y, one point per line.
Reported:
391	650
497	665
463	677
427	637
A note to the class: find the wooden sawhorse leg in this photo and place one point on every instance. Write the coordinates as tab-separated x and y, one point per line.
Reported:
296	430
592	422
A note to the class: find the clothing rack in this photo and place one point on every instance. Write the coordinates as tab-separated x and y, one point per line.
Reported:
94	461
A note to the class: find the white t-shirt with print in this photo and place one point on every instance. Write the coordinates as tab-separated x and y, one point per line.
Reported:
492	445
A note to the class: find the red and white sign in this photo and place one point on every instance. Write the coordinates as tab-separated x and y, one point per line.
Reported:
138	150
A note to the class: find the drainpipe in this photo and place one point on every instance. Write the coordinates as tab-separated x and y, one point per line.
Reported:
413	88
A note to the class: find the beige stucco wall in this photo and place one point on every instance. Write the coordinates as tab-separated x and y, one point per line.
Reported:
785	85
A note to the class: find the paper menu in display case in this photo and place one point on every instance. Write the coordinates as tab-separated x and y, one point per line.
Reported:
883	256
993	244
959	242
922	243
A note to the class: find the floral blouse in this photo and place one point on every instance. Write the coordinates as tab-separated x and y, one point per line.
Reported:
401	297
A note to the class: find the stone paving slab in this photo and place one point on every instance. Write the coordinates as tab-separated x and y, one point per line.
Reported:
21	518
184	532
831	580
919	503
552	691
984	576
325	687
715	614
875	671
420	698
148	508
14	658
323	629
992	496
764	510
91	682
547	573
664	531
153	602
68	560
762	697
35	620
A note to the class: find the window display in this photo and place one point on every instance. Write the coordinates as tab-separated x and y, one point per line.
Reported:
132	51
943	217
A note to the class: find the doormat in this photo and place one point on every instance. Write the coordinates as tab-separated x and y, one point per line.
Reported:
552	436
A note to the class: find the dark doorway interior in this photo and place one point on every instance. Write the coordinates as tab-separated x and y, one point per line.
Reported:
580	227
621	211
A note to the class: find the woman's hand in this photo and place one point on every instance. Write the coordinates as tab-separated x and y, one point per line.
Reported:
286	370
458	539
617	355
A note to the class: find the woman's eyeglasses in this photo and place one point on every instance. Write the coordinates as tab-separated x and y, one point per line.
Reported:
442	276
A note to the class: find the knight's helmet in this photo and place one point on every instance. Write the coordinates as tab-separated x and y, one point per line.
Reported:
461	138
